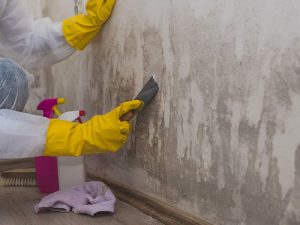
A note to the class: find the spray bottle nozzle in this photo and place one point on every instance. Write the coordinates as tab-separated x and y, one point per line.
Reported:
49	107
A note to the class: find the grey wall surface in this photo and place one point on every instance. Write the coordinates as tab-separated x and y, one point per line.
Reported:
221	140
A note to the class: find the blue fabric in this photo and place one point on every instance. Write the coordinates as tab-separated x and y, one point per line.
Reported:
13	85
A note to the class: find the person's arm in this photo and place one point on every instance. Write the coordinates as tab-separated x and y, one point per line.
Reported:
24	135
37	43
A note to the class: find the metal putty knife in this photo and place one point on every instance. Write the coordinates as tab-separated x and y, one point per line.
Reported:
146	95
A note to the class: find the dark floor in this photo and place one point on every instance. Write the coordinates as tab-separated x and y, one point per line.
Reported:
16	208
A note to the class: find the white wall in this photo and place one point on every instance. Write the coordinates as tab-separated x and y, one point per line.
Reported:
221	140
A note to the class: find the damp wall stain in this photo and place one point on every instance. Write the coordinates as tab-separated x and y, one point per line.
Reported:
221	139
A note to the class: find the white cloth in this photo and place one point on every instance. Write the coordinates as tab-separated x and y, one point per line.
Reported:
22	135
87	198
31	43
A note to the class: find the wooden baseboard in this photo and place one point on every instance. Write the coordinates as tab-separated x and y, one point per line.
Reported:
11	164
157	209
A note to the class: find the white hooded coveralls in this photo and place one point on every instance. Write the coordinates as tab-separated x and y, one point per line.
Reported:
32	44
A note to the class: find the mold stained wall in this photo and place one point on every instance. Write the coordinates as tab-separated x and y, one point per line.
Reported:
221	140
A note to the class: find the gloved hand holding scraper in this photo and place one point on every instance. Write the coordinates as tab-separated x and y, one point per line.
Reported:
146	95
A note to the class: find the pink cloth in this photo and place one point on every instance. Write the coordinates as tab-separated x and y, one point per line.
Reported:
88	198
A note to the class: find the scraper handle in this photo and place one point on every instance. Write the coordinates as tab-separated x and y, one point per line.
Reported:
127	116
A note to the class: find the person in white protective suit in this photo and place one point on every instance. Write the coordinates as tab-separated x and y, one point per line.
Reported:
38	43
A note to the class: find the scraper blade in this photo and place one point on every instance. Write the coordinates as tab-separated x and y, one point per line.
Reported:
148	92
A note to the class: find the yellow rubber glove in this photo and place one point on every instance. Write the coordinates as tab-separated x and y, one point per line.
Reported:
103	133
79	30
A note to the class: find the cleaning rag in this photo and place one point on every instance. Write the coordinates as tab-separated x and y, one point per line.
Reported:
89	198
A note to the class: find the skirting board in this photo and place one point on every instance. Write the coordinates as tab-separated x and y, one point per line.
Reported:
155	208
12	164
